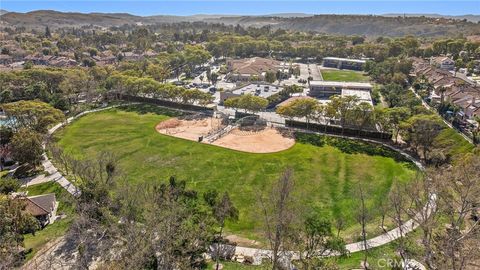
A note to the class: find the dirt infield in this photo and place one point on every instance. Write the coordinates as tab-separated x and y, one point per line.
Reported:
268	140
188	129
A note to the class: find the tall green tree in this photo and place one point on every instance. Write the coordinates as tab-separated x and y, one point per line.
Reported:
302	108
27	147
420	131
250	103
15	222
33	115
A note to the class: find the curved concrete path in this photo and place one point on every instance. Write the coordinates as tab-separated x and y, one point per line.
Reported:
53	174
257	253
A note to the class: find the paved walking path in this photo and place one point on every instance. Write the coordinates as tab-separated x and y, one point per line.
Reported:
259	254
256	253
53	175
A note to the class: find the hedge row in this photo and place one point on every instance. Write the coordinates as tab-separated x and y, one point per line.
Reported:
372	134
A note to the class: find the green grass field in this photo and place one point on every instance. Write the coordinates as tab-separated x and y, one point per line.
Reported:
344	76
59	227
326	179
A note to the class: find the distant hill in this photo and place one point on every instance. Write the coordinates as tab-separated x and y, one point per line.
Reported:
369	25
3	11
468	17
55	19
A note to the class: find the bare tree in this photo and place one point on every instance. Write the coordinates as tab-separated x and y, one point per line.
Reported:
422	209
279	215
362	217
458	190
397	204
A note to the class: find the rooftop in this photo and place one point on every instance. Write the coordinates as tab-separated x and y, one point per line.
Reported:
345	59
41	204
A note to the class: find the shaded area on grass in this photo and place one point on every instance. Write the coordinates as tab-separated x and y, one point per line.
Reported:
153	109
350	146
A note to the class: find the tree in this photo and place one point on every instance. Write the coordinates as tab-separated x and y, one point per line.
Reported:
247	102
420	131
279	215
341	108
476	131
316	240
458	189
223	210
214	78
362	115
270	77
423	209
362	217
33	115
5	151
395	116
393	94
397	202
47	32
8	185
302	108
27	147
15	222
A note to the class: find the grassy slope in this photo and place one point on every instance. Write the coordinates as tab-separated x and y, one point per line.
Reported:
344	75
59	227
325	177
453	142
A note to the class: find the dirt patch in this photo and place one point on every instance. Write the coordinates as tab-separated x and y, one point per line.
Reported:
189	129
265	140
268	140
242	241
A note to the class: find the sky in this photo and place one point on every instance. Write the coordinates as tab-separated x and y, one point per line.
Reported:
248	7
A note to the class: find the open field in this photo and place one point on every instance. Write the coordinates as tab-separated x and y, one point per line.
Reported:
344	75
325	177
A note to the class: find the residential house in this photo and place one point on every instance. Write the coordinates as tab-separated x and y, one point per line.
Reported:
62	62
39	60
42	207
131	56
442	62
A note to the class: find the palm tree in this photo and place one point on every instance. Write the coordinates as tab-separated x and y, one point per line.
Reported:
476	131
442	91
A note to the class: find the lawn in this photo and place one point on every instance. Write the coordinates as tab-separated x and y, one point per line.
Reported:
59	227
344	76
453	143
326	179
